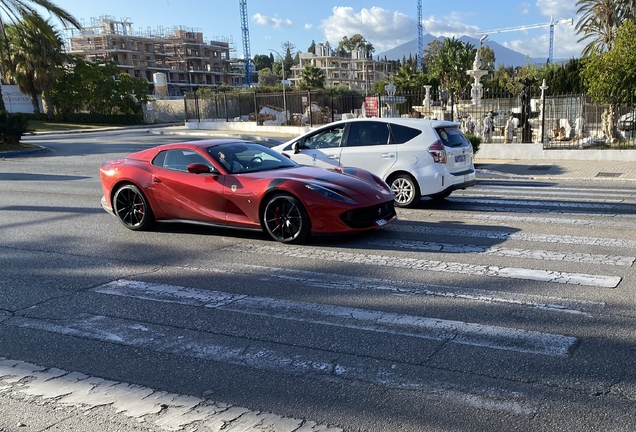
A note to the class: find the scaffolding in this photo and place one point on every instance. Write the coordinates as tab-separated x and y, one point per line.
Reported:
180	52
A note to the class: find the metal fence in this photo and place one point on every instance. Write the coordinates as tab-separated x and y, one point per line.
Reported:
564	121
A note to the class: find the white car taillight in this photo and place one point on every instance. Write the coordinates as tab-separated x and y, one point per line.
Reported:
438	152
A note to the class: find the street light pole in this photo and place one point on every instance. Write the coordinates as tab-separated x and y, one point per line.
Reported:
282	63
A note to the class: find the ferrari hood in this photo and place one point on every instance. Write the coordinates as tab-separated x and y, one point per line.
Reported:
357	188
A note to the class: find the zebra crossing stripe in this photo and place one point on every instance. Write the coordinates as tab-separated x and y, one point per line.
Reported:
560	203
404	288
353	318
169	411
544	220
528	237
428	265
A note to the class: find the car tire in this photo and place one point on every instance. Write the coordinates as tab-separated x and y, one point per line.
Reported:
406	190
285	219
132	209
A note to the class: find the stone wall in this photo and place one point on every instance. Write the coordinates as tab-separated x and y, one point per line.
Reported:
164	111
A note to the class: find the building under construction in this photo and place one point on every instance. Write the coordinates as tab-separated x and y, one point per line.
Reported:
175	61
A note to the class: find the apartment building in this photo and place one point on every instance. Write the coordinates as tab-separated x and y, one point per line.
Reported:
357	72
179	56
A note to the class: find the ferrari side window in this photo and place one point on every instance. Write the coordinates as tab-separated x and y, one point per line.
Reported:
159	159
179	159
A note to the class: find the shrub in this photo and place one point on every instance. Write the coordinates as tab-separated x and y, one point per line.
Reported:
475	140
12	127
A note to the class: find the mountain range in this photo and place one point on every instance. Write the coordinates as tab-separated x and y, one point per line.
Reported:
503	55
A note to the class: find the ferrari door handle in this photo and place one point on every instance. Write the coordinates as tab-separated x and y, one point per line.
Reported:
156	180
387	155
333	157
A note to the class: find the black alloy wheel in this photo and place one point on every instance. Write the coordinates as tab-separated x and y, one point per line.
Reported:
132	209
286	220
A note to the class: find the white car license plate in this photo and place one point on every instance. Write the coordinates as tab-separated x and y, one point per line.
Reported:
380	222
460	158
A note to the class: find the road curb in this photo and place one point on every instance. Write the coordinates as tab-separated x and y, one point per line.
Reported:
18	153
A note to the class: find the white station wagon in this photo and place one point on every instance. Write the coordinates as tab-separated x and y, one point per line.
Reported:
416	157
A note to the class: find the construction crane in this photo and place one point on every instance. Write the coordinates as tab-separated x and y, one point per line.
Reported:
550	24
246	42
420	48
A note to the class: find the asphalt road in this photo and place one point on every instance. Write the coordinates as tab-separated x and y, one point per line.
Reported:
510	306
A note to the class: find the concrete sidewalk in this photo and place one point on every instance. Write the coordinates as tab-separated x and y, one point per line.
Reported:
556	170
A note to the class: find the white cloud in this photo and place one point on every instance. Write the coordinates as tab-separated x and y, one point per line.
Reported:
525	8
557	8
308	26
382	28
449	26
275	21
565	44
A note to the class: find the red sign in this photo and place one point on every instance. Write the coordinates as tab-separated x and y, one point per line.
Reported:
371	106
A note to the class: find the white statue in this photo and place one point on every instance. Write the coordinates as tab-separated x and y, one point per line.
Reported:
469	125
509	129
579	122
488	127
477	62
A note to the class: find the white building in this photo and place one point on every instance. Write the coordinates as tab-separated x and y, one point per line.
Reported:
358	72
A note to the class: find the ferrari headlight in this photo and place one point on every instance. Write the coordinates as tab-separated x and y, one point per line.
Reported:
328	193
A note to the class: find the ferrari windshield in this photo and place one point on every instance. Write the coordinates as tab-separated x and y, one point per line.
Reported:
242	157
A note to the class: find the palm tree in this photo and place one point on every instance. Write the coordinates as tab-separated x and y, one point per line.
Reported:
404	79
600	20
15	10
34	58
312	77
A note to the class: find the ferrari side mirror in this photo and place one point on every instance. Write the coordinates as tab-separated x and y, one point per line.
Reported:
296	147
199	168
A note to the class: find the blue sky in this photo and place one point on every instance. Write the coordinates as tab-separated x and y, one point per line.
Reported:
385	24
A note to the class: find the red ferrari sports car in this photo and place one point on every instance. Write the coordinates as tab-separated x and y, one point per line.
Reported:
242	184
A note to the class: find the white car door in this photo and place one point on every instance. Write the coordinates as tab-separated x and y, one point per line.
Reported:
368	146
321	149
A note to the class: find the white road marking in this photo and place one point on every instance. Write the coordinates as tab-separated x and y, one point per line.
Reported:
403	288
531	191
169	411
608	220
529	237
505	252
428	265
273	357
353	318
563	198
560	203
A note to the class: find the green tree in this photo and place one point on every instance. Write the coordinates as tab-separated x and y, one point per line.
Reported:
450	64
312	78
17	9
262	61
404	79
600	20
99	88
34	58
488	58
312	47
564	79
288	61
356	42
429	54
267	78
611	75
